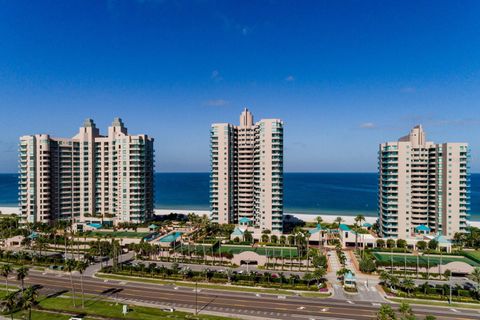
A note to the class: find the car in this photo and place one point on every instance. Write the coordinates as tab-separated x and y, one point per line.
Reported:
76	318
168	309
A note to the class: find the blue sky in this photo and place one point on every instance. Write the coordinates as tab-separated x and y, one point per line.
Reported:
343	75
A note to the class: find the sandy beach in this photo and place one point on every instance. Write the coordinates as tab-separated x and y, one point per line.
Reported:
302	216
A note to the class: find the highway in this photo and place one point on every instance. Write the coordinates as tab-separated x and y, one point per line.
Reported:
237	304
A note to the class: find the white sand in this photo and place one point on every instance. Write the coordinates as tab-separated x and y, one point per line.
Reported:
302	216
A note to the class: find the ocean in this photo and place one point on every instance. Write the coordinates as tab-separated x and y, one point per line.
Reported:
322	193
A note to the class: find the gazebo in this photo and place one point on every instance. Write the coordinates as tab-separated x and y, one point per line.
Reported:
422	229
237	233
152	227
244	221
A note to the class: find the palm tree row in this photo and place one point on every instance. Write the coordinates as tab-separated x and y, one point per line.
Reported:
21	300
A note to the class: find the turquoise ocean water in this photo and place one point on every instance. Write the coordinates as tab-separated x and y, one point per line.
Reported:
325	193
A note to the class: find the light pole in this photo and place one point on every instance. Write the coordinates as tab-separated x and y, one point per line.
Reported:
196	298
450	281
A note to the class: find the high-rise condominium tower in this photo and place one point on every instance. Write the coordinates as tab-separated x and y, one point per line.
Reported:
423	183
247	172
87	178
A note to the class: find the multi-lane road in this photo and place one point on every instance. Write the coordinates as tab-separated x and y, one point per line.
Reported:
237	304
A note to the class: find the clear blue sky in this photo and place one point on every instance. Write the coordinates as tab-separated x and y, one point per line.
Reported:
343	75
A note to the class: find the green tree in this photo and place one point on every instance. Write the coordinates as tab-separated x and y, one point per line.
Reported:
29	299
421	245
358	223
390	243
10	303
367	265
475	276
70	267
381	243
6	270
408	285
81	267
318	274
22	273
401	244
406	311
308	277
433	244
386	313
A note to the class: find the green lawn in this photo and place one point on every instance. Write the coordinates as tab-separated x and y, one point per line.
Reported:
96	307
398	259
474	255
272	252
111	309
116	234
436	303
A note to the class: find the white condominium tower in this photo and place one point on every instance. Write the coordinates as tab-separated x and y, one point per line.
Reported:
247	172
424	184
88	178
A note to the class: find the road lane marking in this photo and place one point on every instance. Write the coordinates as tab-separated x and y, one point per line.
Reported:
454	310
350	302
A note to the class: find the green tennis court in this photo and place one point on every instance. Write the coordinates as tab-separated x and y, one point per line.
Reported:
432	260
271	252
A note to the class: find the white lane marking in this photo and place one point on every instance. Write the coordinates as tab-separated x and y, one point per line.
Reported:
350	302
376	304
454	310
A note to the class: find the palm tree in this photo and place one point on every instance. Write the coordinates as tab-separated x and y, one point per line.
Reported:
338	221
386	313
394	281
319	273
475	276
405	310
70	267
319	219
385	277
408	285
10	303
22	273
358	222
5	270
29	299
308	277
229	273
81	267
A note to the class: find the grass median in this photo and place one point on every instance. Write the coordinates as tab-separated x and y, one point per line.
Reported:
61	308
212	286
436	303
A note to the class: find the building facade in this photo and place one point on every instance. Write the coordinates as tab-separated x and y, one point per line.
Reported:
423	186
88	178
247	172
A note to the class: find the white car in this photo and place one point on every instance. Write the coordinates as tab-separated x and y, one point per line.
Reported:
168	309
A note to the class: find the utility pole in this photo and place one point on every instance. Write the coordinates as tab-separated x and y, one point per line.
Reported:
196	298
450	282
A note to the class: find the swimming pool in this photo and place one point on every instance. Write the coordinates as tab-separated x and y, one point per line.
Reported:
171	237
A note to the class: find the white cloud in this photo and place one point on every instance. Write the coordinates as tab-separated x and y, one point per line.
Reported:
216	103
290	78
367	125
